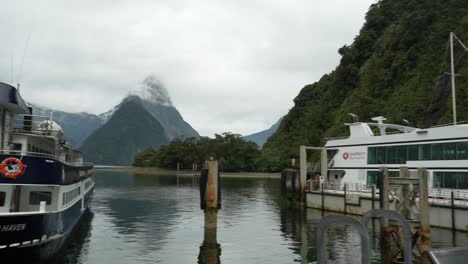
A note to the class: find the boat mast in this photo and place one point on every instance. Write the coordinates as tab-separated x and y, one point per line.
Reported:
452	74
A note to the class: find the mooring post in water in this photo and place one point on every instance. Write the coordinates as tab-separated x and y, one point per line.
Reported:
384	188
303	172
405	191
384	204
210	250
424	211
211	195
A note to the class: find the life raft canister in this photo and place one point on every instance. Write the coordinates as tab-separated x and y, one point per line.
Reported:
11	167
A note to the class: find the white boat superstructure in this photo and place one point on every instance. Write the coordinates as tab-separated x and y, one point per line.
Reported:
443	150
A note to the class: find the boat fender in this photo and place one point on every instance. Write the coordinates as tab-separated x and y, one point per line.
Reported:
12	167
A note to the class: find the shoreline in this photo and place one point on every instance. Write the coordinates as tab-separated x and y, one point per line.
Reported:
167	172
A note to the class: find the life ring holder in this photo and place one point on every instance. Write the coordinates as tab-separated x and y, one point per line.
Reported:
10	173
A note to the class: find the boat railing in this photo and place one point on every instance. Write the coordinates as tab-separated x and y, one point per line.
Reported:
451	124
36	125
350	186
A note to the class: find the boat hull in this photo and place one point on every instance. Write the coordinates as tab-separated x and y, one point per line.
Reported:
40	235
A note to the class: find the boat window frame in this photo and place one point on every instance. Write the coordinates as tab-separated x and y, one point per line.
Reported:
2	198
48	195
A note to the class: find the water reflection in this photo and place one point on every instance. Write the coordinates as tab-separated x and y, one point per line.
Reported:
210	250
77	245
157	219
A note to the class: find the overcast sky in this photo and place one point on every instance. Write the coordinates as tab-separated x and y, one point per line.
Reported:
229	65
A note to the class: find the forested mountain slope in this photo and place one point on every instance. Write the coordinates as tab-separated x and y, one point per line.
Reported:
395	67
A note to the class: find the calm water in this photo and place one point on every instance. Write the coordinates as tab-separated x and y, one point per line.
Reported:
152	219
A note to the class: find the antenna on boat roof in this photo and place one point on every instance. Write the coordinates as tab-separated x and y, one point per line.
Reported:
453	74
18	87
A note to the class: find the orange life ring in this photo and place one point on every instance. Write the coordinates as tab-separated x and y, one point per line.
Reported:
11	167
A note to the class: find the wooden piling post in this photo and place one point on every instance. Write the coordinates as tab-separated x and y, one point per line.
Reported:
384	189
383	194
424	210
405	190
211	194
345	203
452	207
373	197
324	163
210	249
303	172
323	197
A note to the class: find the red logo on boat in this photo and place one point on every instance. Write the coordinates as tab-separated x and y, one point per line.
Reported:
345	155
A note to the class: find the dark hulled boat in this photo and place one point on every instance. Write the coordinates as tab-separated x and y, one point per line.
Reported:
45	187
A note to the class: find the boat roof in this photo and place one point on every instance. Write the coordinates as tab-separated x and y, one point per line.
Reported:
12	101
362	133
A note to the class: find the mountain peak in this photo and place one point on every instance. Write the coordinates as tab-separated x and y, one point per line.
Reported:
153	90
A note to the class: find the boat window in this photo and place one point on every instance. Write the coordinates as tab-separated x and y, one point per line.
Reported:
462	150
2	199
413	151
35	198
17	146
371	158
450	180
462	180
402	154
424	152
391	155
372	177
449	151
381	155
436	151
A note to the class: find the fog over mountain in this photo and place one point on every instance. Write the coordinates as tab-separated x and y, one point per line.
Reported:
153	90
153	98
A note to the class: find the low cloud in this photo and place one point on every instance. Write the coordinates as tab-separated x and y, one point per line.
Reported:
228	65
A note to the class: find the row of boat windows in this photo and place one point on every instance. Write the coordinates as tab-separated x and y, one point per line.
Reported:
440	179
31	148
35	198
70	195
400	154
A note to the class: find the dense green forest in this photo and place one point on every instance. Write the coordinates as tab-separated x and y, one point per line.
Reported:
232	152
395	68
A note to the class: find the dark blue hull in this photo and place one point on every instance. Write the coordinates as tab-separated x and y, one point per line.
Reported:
43	170
39	236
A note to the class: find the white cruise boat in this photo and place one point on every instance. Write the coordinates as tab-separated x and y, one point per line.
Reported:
442	150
